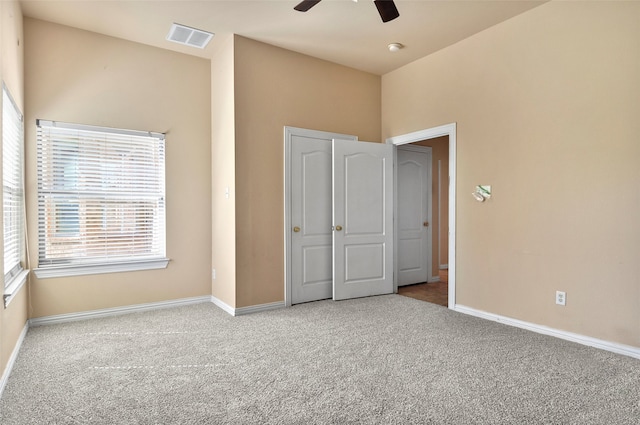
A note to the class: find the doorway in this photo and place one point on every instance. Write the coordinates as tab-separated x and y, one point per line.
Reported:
423	221
444	172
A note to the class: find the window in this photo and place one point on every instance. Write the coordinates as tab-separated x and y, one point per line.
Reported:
12	187
101	199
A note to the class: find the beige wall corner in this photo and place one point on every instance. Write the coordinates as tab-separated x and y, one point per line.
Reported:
277	88
81	77
546	111
223	166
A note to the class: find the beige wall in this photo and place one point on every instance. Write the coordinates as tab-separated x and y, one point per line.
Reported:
14	317
223	168
276	88
439	201
546	106
81	77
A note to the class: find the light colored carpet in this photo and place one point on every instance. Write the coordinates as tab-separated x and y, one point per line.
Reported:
379	360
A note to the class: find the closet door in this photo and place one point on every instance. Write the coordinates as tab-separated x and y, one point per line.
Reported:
362	219
308	214
311	235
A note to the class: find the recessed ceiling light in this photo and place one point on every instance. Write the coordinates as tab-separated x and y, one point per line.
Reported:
188	36
394	47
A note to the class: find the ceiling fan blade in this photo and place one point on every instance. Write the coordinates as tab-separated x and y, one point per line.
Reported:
387	9
306	5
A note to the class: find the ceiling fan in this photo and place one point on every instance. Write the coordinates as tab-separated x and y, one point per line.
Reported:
386	8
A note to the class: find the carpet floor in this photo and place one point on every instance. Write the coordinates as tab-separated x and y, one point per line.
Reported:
379	360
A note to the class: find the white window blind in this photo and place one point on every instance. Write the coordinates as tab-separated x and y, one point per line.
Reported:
12	185
101	195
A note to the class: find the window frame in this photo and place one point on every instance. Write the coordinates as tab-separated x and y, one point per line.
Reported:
103	203
16	274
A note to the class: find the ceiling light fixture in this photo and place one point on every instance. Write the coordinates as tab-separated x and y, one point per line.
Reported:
394	47
188	36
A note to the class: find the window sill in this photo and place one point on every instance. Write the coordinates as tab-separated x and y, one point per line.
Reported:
14	287
85	269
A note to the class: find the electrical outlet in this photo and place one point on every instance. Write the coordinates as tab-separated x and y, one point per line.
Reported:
561	298
213	274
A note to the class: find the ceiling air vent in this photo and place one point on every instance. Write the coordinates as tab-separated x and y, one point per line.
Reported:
189	36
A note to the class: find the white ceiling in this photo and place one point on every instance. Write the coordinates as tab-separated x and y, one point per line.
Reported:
342	31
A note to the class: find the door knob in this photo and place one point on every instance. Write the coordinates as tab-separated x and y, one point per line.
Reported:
425	224
296	229
338	228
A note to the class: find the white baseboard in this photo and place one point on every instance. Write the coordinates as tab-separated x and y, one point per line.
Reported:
258	308
223	305
614	347
93	314
246	310
444	266
434	279
12	358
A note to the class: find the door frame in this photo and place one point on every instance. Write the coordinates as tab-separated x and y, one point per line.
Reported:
418	136
289	132
396	269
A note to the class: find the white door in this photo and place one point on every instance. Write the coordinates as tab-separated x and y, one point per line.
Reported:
363	219
312	238
308	222
414	214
